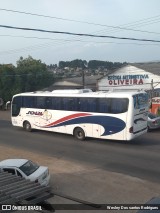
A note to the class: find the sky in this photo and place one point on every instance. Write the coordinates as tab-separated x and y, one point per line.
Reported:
139	19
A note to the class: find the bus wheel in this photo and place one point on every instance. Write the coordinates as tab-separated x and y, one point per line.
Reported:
27	126
79	134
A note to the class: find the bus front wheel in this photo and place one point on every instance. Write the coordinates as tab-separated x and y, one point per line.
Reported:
27	126
79	134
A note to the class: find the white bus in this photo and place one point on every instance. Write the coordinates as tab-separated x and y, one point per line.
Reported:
117	115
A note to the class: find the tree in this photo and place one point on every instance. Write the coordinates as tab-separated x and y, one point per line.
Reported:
7	79
29	75
32	74
94	64
73	64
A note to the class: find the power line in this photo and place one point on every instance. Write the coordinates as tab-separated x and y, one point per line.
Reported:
84	22
141	22
136	24
71	40
78	34
59	41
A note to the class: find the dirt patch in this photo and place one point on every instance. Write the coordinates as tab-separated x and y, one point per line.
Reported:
5	115
55	165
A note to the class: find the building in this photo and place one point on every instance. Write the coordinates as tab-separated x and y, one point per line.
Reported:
133	76
76	83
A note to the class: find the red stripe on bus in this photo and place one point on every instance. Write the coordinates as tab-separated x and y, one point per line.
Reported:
68	118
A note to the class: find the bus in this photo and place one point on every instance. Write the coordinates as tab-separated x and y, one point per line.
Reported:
115	115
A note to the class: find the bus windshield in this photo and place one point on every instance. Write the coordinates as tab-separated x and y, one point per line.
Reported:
16	105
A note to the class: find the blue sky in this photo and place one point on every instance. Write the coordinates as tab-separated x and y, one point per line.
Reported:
143	15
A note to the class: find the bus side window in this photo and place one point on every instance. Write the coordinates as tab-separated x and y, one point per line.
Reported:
119	105
29	102
87	104
56	103
48	103
92	105
82	104
40	102
72	104
65	104
104	105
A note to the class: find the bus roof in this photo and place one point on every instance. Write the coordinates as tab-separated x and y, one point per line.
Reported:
83	93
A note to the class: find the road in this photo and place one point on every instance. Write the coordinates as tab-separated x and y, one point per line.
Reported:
138	158
95	170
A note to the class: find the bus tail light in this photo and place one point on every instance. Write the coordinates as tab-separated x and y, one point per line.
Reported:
131	129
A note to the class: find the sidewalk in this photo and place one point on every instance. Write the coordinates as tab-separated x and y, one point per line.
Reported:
5	115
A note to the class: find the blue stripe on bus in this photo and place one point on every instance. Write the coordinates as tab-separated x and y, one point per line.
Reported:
111	125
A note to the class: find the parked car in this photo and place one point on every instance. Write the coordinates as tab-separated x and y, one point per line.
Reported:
26	169
153	121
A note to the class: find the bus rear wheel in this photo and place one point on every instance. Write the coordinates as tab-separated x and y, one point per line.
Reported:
27	126
79	134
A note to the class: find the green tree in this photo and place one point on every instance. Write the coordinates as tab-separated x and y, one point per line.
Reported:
94	64
73	64
31	75
7	79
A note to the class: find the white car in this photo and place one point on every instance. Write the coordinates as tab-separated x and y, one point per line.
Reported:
26	169
153	121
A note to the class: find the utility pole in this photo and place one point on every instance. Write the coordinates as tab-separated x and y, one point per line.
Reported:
83	79
152	89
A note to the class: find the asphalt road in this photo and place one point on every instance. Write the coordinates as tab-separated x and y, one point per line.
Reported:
94	170
139	158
